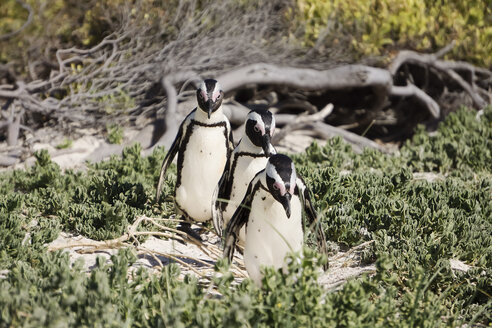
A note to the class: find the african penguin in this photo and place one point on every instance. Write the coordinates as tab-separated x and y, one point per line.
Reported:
272	212
248	158
203	145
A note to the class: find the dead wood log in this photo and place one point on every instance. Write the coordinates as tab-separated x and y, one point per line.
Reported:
447	68
338	78
301	121
6	160
343	77
411	90
358	143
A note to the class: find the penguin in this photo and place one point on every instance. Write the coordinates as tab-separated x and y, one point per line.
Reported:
272	210
248	158
203	144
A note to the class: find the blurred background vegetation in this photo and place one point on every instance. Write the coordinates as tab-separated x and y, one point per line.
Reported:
379	27
374	28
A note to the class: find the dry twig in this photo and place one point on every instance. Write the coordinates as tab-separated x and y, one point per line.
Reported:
129	238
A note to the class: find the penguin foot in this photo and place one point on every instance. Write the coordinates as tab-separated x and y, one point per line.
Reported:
186	227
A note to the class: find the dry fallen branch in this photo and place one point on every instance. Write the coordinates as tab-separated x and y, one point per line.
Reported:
358	143
301	121
343	77
445	67
129	240
338	78
411	90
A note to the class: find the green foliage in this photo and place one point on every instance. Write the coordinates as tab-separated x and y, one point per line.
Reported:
66	143
99	204
462	145
375	27
417	227
115	133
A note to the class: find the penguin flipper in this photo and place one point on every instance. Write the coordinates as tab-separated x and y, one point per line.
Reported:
217	218
173	150
312	217
230	141
239	219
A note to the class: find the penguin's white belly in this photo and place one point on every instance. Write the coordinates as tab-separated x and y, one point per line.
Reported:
270	235
204	159
246	169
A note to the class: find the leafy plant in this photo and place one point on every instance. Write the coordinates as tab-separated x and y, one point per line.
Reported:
115	134
376	27
417	225
66	143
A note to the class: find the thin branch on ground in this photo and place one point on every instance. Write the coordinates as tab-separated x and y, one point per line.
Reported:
301	121
129	239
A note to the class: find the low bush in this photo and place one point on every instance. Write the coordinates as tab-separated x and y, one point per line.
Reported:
417	225
377	27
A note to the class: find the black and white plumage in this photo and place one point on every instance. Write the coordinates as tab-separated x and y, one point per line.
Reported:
203	145
248	158
272	212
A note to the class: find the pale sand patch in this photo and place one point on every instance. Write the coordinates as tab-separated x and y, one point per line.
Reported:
155	252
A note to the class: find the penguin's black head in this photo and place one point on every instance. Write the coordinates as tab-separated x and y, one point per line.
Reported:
281	179
260	125
209	96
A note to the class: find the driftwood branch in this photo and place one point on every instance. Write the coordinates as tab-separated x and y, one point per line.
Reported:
301	121
358	143
172	120
339	78
343	77
445	67
411	90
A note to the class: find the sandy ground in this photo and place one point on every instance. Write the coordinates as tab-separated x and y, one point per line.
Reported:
155	253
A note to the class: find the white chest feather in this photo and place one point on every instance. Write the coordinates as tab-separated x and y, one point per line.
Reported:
270	235
204	159
245	171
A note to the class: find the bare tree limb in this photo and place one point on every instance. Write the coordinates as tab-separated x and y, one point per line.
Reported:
14	127
411	90
448	68
301	121
343	77
357	142
6	161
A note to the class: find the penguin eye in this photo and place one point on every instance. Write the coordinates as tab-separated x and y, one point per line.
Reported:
218	97
275	186
256	129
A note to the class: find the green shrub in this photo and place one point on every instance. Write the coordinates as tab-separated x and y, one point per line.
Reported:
417	226
376	27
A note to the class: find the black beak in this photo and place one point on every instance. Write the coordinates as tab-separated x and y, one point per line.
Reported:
265	144
285	201
210	105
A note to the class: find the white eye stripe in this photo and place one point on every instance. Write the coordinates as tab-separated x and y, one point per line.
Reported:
272	173
256	117
217	88
203	87
293	178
